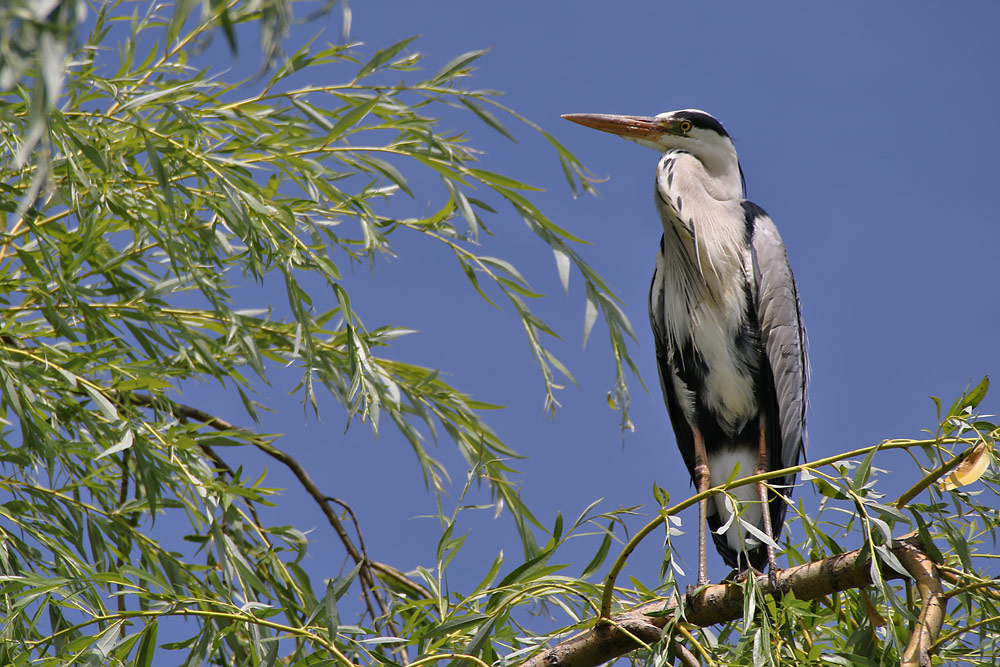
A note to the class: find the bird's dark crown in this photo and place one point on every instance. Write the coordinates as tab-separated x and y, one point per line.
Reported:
702	120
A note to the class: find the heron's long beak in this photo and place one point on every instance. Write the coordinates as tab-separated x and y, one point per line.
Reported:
637	127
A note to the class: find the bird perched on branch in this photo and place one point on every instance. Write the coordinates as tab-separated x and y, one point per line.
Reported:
730	344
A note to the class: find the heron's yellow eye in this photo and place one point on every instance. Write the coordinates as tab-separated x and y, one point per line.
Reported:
684	126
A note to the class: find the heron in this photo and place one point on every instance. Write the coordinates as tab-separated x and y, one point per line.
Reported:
730	343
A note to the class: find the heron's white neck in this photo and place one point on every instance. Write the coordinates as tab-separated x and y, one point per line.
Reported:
719	174
704	226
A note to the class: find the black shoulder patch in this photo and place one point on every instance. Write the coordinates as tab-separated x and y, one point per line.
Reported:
750	214
702	120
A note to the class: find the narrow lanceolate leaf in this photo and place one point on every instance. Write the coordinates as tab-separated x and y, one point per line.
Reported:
598	559
121	445
861	474
158	170
106	407
970	400
970	469
352	118
147	645
590	313
487	117
382	57
978	393
563	266
332	614
501	181
761	536
456	64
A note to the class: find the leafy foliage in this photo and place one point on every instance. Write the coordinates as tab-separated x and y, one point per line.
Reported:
146	204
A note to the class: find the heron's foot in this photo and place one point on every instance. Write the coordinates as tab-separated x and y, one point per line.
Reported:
772	578
743	575
694	589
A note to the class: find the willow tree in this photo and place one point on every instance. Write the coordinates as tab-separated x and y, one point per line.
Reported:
143	193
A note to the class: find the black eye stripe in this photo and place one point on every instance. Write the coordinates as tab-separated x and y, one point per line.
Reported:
702	121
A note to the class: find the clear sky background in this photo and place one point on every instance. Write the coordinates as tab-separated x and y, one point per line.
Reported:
868	131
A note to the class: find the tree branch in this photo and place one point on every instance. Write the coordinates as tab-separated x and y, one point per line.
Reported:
925	574
182	411
724	602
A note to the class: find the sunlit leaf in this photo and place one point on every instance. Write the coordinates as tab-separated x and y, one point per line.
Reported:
971	468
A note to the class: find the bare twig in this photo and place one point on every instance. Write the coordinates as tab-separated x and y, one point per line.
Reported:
384	571
719	603
357	525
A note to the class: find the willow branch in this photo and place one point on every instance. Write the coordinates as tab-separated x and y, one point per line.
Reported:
686	657
607	598
183	411
719	603
924	573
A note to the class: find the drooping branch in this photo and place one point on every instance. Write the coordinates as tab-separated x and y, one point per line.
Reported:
720	603
182	411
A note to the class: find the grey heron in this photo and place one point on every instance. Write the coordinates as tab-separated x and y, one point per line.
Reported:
730	345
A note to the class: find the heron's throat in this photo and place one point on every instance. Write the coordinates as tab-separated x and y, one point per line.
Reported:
711	175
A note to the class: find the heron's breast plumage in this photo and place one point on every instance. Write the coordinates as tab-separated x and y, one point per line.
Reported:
703	298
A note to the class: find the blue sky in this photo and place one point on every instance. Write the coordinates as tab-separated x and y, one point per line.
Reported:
868	131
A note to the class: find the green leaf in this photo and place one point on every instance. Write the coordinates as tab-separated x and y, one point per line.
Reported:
353	117
487	117
340	586
330	604
978	393
861	474
106	407
121	445
159	171
457	64
602	553
455	624
147	645
381	57
589	314
828	490
500	180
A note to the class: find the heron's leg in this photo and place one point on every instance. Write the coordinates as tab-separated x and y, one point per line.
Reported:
702	475
762	467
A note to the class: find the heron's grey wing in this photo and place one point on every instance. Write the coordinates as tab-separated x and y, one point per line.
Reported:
784	337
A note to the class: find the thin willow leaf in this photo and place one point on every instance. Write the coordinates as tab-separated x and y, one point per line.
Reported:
457	64
381	57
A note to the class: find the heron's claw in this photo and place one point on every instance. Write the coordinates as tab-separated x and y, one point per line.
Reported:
694	589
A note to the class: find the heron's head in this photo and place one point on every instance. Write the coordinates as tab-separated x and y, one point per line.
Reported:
689	130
